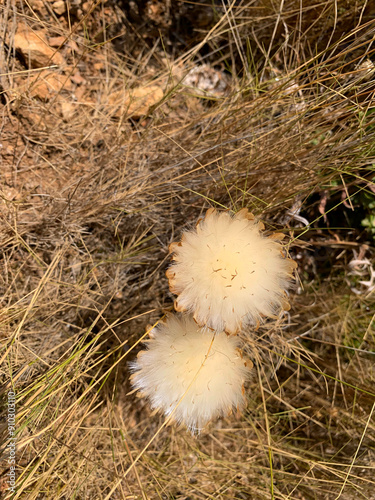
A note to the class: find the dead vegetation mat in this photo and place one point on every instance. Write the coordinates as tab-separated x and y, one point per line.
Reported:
121	123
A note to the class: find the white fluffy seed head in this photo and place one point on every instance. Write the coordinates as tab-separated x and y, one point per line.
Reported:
226	272
192	373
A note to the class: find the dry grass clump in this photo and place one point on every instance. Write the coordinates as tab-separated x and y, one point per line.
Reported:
106	157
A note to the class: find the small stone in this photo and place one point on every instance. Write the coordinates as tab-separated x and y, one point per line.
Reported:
59	7
56	41
35	48
37	4
136	102
63	41
77	78
47	84
98	66
67	110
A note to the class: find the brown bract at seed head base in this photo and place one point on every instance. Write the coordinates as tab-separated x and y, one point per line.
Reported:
227	273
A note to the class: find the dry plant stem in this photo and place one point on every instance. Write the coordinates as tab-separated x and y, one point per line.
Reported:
97	381
269	443
356	453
